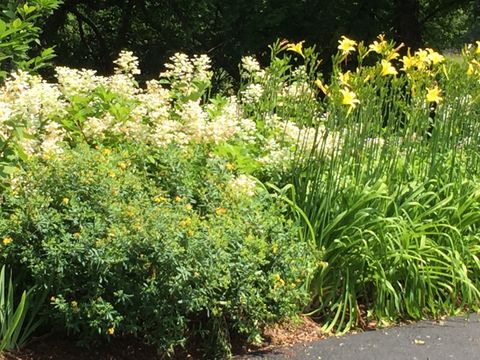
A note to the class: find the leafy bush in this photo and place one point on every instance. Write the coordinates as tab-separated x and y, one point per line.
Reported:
120	254
19	31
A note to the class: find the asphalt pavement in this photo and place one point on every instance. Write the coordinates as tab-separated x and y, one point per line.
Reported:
453	338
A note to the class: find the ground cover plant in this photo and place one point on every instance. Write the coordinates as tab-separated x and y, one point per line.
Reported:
173	214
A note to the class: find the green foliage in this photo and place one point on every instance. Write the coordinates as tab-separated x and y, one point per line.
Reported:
149	248
14	331
20	32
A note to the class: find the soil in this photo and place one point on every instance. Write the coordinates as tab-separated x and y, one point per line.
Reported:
58	348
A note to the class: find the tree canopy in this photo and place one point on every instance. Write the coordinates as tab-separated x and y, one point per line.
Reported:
91	33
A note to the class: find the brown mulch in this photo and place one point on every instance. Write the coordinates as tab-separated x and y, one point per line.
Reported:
306	330
55	348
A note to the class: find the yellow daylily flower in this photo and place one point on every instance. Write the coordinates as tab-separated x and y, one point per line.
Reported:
473	67
423	59
434	57
298	47
433	95
346	45
392	55
344	78
388	68
349	99
322	86
470	70
111	331
408	61
378	46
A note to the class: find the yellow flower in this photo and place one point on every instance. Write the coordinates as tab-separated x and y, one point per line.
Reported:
477	51
434	57
189	207
473	67
433	95
279	279
388	68
122	165
107	152
378	47
178	198
298	47
344	78
220	211
322	86
7	240
349	99
185	223
158	199
392	55
470	70
65	201
346	45
423	58
111	174
111	330
408	62
274	248
230	166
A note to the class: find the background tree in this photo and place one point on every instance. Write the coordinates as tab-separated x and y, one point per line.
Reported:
91	33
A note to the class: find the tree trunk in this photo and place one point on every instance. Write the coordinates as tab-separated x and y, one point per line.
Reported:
407	23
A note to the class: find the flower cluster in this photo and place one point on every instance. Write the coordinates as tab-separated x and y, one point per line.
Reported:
30	103
421	60
84	106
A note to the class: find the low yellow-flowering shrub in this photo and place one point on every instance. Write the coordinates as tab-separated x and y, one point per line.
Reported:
160	255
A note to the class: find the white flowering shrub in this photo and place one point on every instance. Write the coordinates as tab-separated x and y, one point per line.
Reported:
40	118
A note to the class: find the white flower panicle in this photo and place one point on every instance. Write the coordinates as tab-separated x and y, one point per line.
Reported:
185	70
252	94
73	82
243	184
127	64
251	66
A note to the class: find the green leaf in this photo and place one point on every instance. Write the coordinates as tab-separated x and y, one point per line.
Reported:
17	23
